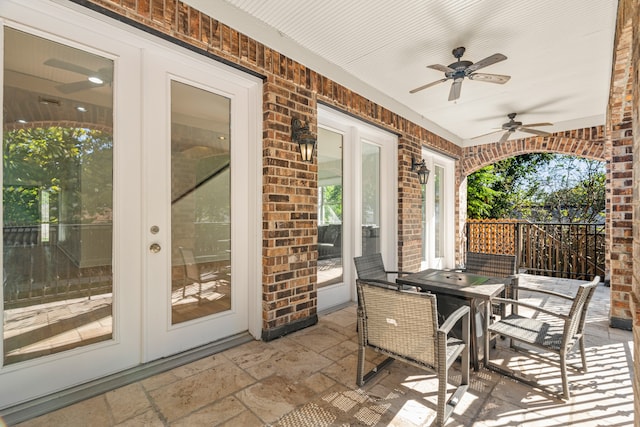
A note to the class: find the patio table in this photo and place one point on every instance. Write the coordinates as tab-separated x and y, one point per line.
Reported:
471	289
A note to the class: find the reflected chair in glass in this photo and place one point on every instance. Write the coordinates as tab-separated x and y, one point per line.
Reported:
192	273
403	325
546	329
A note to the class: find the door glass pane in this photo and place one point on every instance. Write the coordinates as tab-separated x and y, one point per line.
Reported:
200	203
329	207
58	196
425	222
438	214
370	199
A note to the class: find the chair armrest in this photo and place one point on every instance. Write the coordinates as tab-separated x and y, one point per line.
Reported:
543	291
397	272
453	318
384	283
530	306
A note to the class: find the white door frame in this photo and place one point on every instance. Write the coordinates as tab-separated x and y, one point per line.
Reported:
354	133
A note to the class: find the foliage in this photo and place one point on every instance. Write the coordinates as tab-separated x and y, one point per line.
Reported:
72	164
538	188
496	190
331	204
574	192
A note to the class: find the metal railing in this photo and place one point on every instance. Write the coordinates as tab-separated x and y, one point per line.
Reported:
574	251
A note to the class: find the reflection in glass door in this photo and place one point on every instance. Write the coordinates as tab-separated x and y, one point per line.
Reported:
57	197
330	191
370	198
200	203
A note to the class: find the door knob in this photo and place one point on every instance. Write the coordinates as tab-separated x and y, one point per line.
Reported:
155	248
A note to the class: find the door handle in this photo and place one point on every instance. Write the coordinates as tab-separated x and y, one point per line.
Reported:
155	248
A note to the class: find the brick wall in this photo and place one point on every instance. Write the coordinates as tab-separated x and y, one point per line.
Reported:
587	142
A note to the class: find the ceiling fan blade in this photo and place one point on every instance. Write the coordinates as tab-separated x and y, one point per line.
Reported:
486	134
489	78
442	68
532	125
76	86
454	93
490	60
504	136
534	131
68	66
427	85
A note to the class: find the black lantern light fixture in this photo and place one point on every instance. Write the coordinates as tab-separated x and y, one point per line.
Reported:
421	168
305	139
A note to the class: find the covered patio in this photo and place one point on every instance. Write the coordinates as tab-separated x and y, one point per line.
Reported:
308	378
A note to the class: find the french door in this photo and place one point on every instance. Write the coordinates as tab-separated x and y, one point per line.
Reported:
196	203
131	208
356	201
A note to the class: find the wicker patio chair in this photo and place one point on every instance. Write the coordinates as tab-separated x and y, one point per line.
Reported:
559	336
404	326
495	265
371	267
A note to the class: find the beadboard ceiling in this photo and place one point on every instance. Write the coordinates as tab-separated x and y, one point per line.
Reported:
558	53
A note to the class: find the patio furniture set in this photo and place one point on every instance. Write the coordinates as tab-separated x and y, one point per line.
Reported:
432	318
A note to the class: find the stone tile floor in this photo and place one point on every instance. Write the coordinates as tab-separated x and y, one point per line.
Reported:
308	379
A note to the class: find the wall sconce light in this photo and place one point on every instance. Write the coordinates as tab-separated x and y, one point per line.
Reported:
421	168
305	139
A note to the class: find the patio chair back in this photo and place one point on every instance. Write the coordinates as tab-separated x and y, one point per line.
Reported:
494	265
400	323
574	327
191	270
370	267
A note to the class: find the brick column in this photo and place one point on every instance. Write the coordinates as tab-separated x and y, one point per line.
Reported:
289	231
629	19
620	171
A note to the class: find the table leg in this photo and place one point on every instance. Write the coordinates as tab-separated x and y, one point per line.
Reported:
474	336
487	339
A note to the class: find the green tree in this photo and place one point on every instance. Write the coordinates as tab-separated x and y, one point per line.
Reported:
539	188
56	159
495	191
571	190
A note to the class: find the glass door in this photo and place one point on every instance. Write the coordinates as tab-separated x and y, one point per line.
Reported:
197	205
437	212
357	199
66	294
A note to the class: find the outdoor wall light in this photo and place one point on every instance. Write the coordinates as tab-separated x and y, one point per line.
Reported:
305	139
421	168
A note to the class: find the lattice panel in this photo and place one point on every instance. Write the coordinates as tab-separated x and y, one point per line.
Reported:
492	237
